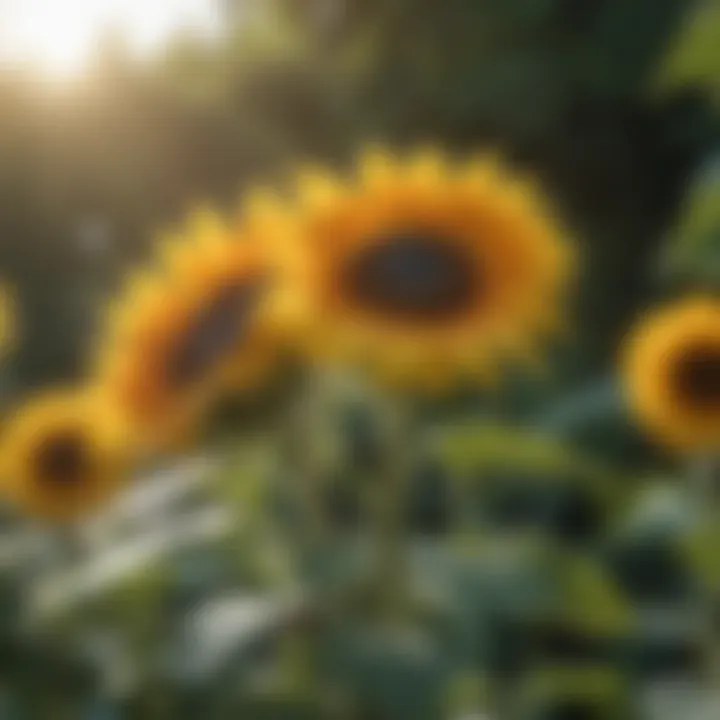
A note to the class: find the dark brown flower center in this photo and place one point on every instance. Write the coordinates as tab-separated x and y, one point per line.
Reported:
412	276
216	332
697	376
62	459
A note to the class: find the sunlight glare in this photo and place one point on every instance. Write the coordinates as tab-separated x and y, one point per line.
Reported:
60	36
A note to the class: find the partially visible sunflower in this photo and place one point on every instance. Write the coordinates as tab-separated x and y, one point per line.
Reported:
424	270
200	324
62	456
672	374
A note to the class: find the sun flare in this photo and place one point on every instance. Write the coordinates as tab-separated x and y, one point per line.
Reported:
60	38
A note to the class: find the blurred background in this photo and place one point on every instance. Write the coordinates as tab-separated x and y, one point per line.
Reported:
118	117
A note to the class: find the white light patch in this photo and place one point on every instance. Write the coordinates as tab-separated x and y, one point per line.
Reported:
60	36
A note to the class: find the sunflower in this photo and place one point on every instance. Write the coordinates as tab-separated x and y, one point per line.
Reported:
672	374
62	455
423	270
200	323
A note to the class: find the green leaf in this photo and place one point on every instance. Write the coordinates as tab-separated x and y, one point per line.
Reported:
600	691
695	55
394	671
694	245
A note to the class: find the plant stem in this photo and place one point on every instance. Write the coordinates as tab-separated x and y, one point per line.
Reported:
387	508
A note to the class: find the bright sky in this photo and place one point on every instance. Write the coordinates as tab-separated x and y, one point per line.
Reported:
59	36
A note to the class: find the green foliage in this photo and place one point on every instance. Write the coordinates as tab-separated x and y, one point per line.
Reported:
693	253
694	58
